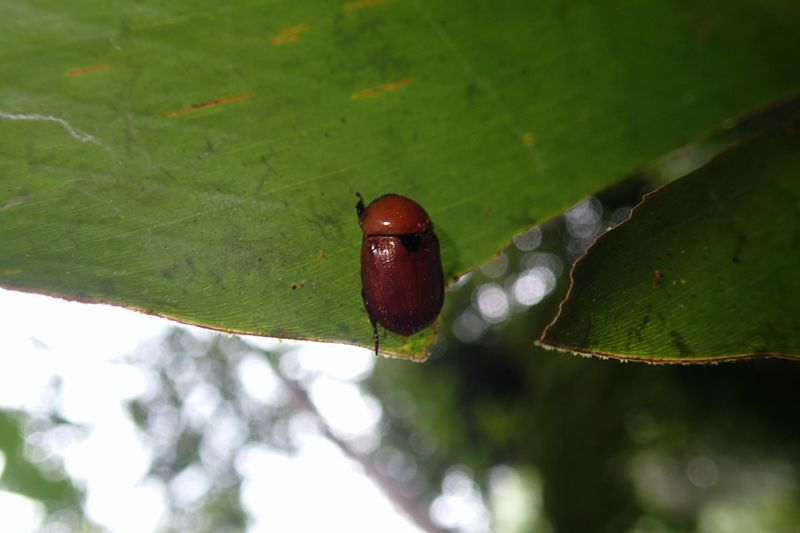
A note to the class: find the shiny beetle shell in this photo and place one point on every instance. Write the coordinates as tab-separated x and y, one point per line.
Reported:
401	273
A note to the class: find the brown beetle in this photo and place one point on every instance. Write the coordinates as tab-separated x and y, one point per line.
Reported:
401	273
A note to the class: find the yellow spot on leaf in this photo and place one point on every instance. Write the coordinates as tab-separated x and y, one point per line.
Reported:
283	39
386	87
289	35
210	103
80	71
529	138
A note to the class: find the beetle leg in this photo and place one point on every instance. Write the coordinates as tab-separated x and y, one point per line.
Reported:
360	205
371	321
375	334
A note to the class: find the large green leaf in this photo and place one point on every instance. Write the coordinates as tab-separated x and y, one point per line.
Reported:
199	160
705	269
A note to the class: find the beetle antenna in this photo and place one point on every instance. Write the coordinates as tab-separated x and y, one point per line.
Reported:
359	205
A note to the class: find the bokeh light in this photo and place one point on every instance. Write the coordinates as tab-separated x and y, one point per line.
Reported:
460	507
532	285
492	303
528	240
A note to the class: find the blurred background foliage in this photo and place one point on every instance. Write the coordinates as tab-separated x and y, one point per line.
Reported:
25	470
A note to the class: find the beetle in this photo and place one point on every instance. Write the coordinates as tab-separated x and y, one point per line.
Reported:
401	272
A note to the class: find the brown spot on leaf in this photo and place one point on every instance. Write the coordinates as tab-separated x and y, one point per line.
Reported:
658	277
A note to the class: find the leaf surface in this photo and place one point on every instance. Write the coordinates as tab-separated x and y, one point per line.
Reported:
200	160
704	270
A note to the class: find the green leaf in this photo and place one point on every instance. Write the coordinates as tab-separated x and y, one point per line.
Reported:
704	270
200	160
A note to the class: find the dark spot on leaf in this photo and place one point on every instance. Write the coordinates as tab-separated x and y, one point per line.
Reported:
637	331
738	251
789	129
169	272
680	343
472	91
